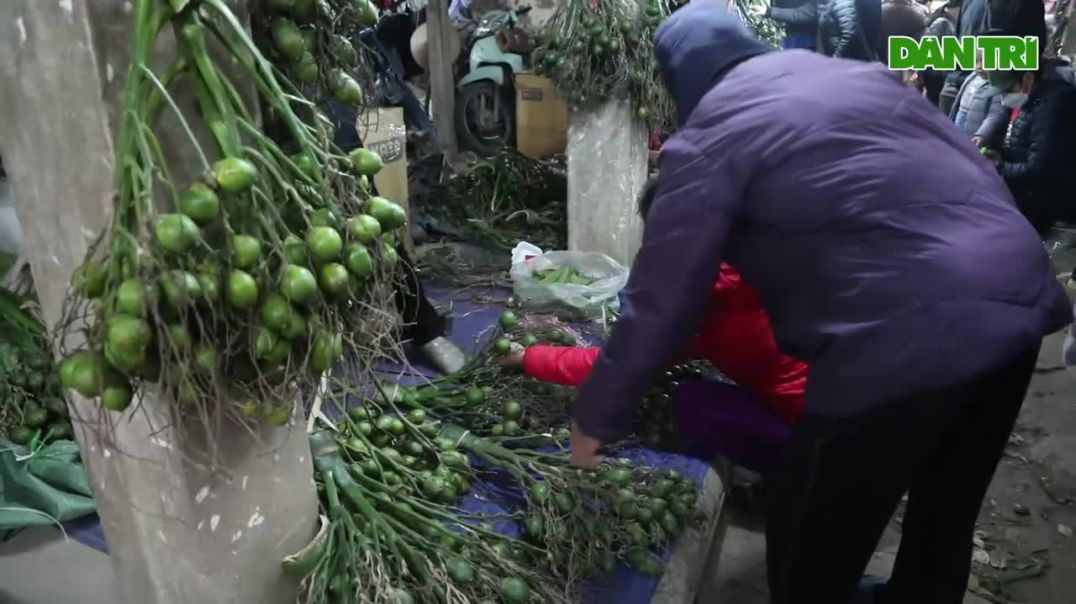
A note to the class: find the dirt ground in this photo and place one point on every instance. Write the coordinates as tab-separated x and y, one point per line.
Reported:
1026	551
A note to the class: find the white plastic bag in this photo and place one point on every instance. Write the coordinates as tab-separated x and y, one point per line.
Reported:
590	300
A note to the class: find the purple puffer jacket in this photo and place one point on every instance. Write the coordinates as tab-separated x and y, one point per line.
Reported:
886	250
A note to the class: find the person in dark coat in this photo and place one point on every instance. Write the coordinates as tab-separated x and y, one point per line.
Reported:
1036	161
900	18
940	23
849	29
800	18
890	258
1013	17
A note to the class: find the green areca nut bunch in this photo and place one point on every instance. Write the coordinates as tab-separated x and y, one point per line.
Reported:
393	475
598	52
599	55
310	42
233	290
31	400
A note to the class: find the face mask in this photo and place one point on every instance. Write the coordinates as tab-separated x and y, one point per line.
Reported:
1014	100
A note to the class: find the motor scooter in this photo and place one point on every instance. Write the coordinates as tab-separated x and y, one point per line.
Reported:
485	115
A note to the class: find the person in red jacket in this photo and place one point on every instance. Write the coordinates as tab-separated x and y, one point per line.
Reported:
737	339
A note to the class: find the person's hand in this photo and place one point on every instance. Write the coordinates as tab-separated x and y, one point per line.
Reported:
584	449
977	141
514	358
913	79
989	154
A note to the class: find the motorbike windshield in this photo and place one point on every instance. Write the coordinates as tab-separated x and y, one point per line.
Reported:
491	24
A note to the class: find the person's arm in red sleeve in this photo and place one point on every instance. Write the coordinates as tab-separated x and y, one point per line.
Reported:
564	365
569	366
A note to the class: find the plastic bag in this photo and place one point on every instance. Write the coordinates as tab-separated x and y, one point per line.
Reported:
589	300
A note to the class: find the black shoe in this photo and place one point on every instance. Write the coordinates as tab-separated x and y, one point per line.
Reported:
748	488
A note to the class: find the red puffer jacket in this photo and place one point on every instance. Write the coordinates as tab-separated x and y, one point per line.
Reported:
736	338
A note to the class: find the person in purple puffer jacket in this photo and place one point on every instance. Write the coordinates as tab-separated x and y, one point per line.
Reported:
889	256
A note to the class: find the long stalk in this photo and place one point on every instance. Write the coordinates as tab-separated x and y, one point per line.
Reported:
262	70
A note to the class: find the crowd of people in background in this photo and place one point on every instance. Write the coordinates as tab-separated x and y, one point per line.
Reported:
1024	122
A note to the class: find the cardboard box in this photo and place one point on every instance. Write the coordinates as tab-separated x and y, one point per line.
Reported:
383	130
541	117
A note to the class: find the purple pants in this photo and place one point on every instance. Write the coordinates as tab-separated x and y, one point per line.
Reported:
715	418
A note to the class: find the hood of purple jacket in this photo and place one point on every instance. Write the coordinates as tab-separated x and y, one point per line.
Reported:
885	249
698	45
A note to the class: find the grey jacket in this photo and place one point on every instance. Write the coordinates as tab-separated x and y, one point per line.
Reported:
986	116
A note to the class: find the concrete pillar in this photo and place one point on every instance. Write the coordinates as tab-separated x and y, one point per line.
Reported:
607	166
442	34
178	530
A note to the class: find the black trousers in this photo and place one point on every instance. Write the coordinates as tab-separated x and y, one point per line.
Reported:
933	81
840	481
1041	211
422	322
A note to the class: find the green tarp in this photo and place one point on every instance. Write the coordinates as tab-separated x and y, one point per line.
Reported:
44	488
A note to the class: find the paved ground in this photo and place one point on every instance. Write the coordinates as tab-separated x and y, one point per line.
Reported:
1025	552
39	567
